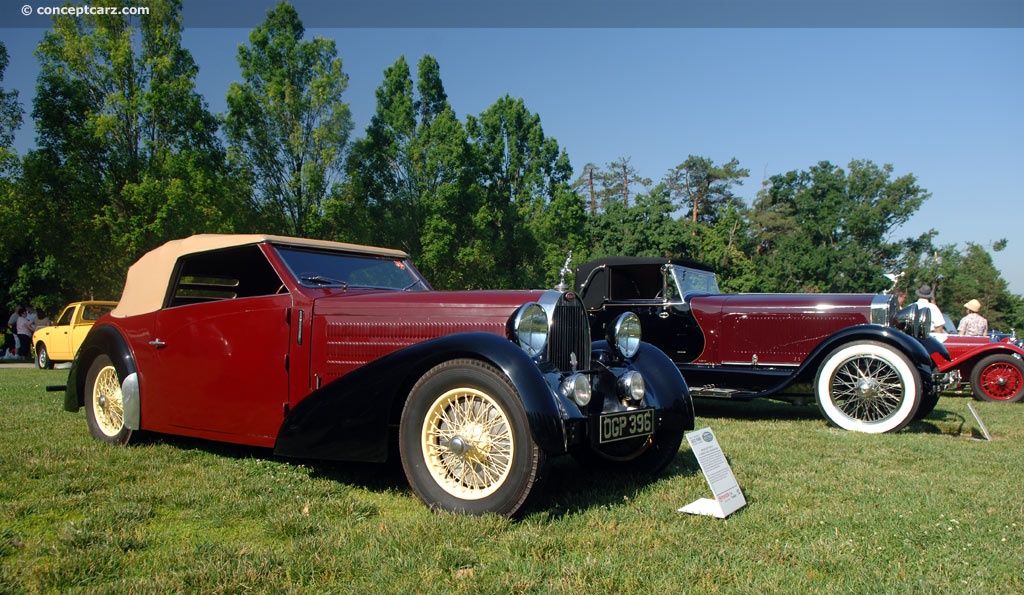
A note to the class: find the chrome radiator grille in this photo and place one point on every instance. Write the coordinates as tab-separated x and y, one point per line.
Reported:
570	334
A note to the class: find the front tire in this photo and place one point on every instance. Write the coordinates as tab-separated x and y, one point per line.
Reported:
998	378
104	404
43	361
465	441
868	387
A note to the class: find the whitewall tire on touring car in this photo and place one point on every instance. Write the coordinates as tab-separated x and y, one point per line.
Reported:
868	386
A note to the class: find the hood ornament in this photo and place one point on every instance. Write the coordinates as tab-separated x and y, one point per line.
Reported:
562	285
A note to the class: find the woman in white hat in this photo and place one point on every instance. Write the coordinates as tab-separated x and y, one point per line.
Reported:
974	324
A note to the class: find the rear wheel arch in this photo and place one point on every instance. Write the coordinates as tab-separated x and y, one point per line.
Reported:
102	339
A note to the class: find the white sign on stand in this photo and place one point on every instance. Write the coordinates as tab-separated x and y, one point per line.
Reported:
728	496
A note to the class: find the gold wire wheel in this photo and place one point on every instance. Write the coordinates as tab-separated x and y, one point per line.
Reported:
467	443
107	402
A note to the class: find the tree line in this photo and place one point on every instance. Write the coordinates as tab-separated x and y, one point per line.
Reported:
129	156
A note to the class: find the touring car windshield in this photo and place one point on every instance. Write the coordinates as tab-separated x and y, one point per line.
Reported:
339	269
688	281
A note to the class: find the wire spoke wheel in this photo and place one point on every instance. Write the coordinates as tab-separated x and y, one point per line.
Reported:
107	402
468	443
999	378
465	441
104	402
867	386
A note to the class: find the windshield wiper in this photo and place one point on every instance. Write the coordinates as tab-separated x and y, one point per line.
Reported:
322	280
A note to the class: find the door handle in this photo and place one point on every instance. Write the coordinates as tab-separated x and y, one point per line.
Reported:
158	343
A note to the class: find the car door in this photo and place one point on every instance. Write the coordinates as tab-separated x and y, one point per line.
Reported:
58	337
222	368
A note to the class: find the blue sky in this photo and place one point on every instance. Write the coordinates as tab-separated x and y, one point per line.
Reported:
942	104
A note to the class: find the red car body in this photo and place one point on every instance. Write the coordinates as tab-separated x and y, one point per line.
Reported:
335	351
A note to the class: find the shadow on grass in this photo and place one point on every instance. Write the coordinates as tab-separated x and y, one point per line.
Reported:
754	410
568	486
943	421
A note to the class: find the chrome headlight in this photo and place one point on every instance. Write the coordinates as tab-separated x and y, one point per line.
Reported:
531	328
624	334
577	387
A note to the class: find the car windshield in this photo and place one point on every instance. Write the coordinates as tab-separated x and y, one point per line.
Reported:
688	281
339	269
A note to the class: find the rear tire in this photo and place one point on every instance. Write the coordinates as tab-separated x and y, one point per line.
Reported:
998	378
104	403
868	386
465	441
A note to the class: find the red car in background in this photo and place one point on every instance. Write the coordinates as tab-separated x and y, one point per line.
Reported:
993	365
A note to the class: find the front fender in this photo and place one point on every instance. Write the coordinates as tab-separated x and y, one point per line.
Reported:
914	349
666	388
349	418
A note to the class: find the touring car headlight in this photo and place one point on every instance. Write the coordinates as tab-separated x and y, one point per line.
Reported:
531	328
631	386
624	334
577	387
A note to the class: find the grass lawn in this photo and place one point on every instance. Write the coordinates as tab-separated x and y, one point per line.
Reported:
930	509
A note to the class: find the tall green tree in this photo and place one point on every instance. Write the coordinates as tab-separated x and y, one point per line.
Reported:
411	178
827	229
287	125
617	182
704	189
10	229
127	155
520	172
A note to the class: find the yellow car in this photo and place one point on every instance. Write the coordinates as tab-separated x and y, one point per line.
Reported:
60	342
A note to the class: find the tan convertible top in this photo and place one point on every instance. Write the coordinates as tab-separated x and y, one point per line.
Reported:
146	285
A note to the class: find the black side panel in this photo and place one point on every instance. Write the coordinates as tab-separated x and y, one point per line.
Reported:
349	418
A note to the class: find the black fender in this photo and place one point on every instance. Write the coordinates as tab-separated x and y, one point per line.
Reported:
349	418
914	349
666	389
102	338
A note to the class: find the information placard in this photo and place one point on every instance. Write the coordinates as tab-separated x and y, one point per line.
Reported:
728	496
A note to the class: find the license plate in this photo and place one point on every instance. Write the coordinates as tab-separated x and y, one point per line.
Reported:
628	424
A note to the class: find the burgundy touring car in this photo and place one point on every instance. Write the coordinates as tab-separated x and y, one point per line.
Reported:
867	365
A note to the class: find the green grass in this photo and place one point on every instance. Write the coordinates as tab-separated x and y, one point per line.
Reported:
927	510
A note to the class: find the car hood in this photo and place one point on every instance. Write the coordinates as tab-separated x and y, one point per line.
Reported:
780	302
465	310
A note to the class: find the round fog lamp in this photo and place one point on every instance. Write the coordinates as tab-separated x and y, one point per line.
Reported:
631	386
577	387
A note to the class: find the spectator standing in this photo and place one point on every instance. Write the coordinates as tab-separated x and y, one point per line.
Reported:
24	329
12	343
974	324
925	295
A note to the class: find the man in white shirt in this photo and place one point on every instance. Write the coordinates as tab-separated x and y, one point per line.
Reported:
925	295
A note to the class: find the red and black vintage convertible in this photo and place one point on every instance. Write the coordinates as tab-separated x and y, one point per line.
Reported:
867	365
334	351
